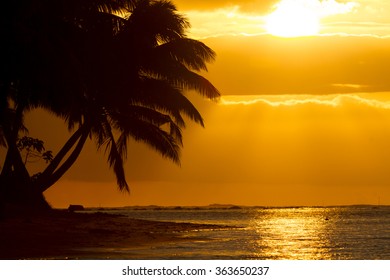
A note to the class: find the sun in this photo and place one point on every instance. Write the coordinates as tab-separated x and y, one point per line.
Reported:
293	19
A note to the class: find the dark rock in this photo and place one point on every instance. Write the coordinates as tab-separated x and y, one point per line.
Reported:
75	207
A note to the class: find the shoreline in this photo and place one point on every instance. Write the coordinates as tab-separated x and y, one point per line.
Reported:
64	235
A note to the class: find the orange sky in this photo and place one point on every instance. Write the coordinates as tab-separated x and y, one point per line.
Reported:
302	120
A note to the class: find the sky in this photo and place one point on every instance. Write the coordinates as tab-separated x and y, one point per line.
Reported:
304	117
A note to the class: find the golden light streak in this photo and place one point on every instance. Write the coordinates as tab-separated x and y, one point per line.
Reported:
293	100
298	230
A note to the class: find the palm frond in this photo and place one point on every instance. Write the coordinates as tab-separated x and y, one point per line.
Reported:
192	53
107	24
181	77
160	140
157	20
146	125
140	112
78	7
116	163
160	95
115	6
106	137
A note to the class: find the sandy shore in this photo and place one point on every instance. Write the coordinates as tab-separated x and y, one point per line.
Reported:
63	235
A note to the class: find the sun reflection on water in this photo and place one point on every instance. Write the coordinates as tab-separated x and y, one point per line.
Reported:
293	233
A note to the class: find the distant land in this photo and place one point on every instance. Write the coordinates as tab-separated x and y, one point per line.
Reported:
218	206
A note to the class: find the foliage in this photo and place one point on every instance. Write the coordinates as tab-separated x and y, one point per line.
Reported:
33	149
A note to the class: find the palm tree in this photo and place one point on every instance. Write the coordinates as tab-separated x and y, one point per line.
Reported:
122	67
36	59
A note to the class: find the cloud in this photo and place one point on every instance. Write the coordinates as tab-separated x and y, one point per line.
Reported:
249	6
351	86
320	8
224	21
331	7
262	7
288	100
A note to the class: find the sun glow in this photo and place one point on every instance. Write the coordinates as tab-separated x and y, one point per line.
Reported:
293	19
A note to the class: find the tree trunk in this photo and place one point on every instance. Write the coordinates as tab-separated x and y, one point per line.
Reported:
17	193
43	186
54	172
19	197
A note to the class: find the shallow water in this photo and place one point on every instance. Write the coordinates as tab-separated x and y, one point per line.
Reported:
353	232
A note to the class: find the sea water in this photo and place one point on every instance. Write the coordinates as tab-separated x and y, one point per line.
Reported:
282	233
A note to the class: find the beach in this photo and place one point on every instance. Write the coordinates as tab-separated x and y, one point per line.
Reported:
64	235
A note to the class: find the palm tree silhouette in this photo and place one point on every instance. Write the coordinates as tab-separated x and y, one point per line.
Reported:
112	69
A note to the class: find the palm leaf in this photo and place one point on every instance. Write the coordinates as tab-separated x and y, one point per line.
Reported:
160	140
192	53
160	95
146	125
105	137
179	76
157	21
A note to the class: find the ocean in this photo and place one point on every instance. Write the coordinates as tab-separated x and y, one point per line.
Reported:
276	233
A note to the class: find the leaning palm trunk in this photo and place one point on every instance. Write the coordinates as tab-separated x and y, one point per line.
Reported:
54	171
55	176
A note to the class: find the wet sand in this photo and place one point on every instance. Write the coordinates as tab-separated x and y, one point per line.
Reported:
64	235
